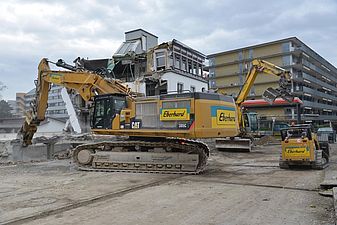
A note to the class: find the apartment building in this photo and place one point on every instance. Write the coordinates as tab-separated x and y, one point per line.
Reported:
56	106
314	78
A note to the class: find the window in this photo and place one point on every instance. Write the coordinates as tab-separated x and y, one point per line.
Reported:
211	61
190	67
212	84
250	53
192	89
195	69
286	60
177	61
160	60
184	64
241	73
240	56
211	72
144	43
286	47
180	87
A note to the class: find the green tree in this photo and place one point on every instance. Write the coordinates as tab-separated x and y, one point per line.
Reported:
5	109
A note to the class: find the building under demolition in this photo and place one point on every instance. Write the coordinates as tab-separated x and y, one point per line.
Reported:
147	67
152	69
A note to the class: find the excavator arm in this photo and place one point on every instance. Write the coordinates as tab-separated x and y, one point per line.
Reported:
264	67
86	83
243	142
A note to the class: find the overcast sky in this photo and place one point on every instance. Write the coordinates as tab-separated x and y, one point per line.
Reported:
30	30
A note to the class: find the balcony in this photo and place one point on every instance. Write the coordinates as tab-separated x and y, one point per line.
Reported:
320	83
316	93
318	105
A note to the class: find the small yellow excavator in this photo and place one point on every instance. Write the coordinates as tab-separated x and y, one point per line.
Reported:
162	130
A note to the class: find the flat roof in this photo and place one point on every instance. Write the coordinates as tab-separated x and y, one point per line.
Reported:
257	45
175	41
294	39
140	30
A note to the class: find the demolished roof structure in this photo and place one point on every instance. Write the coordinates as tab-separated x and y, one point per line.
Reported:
140	59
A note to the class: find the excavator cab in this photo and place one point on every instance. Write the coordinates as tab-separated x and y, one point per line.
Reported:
105	109
250	122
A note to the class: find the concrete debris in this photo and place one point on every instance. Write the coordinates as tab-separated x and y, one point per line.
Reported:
5	151
44	148
266	140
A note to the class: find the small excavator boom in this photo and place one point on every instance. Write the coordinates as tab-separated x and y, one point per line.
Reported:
243	142
266	68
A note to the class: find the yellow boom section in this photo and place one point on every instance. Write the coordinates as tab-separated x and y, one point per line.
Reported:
259	66
86	83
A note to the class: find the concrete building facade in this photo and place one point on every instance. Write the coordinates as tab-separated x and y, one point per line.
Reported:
150	68
56	106
20	103
13	106
314	78
17	105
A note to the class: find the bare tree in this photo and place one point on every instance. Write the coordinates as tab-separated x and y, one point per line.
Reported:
2	87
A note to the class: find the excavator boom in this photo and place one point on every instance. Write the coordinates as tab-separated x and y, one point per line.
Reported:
265	68
243	142
86	83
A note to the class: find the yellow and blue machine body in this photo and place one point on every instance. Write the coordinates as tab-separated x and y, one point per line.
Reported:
184	115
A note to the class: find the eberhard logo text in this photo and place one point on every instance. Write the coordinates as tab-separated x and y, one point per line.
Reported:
296	151
174	114
225	117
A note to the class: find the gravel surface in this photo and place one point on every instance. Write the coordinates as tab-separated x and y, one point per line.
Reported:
236	188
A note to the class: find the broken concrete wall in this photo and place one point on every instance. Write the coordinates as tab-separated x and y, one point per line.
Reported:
14	152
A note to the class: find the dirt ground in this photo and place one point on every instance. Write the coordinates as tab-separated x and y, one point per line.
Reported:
236	188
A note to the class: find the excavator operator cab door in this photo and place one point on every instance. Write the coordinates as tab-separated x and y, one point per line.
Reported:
250	121
105	109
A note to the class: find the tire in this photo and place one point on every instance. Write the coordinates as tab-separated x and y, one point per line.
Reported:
325	147
283	165
320	161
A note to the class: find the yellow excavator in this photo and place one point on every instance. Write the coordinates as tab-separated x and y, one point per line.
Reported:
162	130
244	140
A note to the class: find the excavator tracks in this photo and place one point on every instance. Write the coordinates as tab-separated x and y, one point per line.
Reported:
169	156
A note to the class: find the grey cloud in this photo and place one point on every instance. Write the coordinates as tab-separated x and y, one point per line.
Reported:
94	29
